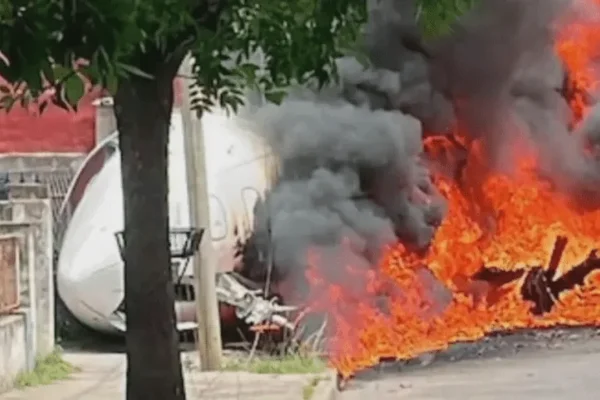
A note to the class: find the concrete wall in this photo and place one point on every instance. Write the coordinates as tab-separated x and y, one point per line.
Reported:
18	348
106	123
19	162
32	220
37	185
28	333
54	172
31	212
13	346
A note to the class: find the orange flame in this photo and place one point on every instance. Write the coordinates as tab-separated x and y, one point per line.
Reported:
577	45
495	220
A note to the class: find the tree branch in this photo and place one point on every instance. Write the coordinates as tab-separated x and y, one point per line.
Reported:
22	95
207	15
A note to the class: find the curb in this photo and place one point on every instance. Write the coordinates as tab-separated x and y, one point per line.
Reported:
326	389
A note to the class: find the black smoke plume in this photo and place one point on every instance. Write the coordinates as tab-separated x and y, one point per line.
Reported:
352	175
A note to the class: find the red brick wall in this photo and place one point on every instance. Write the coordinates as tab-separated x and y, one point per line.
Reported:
56	130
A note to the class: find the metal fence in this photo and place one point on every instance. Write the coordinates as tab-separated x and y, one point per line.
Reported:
57	181
9	274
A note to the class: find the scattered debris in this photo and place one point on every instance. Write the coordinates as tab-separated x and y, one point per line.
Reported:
540	286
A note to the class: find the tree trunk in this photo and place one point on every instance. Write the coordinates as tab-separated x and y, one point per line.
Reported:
143	110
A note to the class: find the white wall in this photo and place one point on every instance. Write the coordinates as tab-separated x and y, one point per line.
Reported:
13	349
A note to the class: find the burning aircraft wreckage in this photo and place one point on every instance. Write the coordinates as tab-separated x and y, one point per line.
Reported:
450	190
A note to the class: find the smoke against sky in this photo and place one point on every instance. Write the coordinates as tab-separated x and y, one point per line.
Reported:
352	174
500	69
497	77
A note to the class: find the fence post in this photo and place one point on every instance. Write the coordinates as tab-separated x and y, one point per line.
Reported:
4	187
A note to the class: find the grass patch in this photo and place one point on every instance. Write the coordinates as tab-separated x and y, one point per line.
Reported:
49	369
309	390
292	364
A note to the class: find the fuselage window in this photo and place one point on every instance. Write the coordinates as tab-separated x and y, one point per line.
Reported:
218	219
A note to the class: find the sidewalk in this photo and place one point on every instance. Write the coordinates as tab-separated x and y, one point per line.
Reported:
102	377
546	374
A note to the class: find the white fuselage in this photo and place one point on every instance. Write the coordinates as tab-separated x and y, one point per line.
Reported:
90	268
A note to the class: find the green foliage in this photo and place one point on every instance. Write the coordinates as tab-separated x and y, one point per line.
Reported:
270	44
47	370
436	16
288	364
44	41
309	389
265	44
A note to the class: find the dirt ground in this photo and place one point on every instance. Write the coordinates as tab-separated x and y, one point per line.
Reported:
553	364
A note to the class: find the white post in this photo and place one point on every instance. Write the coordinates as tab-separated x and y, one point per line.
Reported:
209	328
106	123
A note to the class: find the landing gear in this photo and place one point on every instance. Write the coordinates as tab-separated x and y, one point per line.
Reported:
250	304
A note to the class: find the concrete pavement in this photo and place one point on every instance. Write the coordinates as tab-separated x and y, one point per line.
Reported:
547	374
102	377
569	371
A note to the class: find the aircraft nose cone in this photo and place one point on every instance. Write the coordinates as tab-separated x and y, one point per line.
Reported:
89	278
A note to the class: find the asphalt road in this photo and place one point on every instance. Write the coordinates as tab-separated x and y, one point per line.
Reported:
567	372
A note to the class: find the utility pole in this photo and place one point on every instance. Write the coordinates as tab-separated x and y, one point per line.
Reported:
207	310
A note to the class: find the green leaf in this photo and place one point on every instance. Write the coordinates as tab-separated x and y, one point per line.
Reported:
248	71
111	84
60	72
91	73
34	81
275	96
135	71
48	72
7	102
74	90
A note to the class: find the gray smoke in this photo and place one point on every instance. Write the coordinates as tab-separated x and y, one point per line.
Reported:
352	178
498	78
391	21
350	182
500	69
